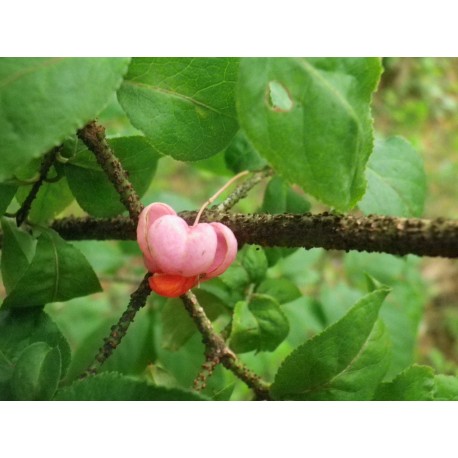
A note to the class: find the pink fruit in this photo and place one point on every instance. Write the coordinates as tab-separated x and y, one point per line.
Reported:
178	255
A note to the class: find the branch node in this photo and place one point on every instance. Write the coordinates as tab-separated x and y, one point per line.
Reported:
216	348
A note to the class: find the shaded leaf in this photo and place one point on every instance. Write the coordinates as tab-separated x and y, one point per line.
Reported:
186	106
396	181
240	155
17	252
310	118
7	192
20	328
43	100
36	373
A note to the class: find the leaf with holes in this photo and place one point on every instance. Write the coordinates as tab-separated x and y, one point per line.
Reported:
87	179
346	361
45	99
186	106
396	181
310	118
57	272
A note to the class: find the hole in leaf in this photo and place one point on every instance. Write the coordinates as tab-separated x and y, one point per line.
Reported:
278	98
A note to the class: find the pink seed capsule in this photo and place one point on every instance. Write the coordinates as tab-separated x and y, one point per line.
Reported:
180	255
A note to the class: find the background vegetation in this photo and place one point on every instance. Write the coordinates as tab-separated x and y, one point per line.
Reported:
418	99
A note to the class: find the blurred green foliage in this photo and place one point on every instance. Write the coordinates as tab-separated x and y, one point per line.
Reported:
418	99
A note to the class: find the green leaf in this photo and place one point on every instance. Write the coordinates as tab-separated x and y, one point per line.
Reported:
396	181
58	272
43	100
446	388
17	253
235	279
345	362
282	289
20	328
254	261
415	383
258	325
7	192
111	386
403	310
186	106
310	118
92	188
240	155
51	199
37	373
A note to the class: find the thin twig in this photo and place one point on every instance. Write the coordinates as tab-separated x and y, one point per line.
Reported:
46	164
118	331
215	196
93	135
217	350
242	190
